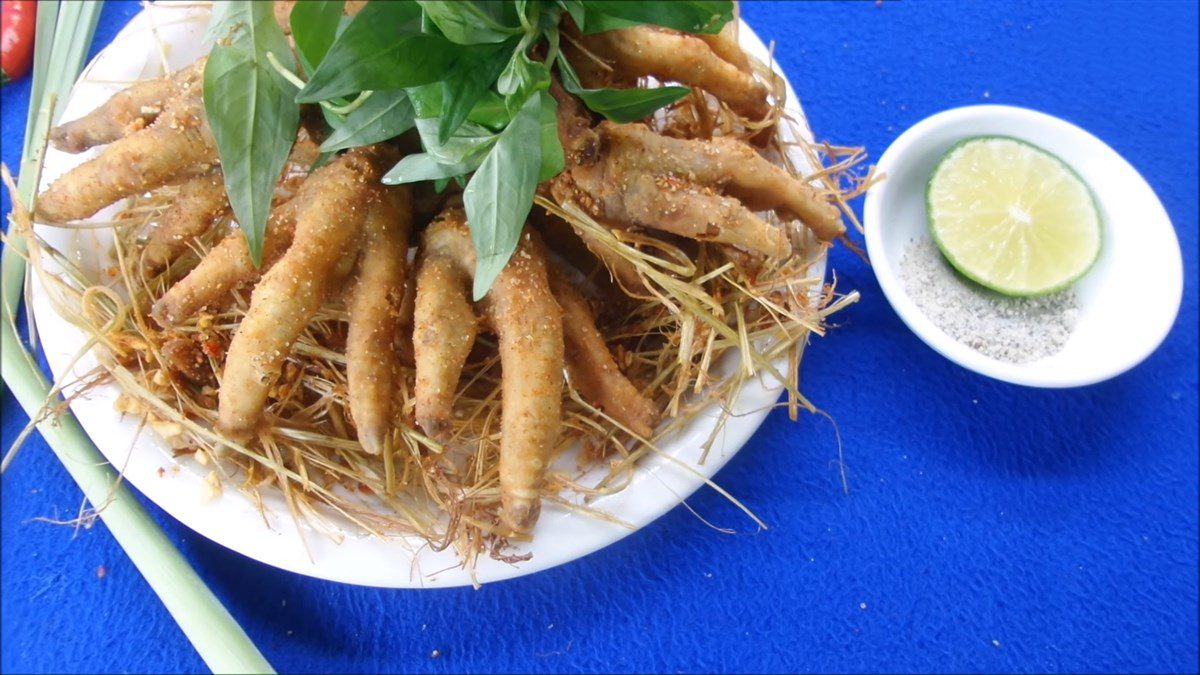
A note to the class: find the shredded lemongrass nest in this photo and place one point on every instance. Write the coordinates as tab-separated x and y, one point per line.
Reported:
707	320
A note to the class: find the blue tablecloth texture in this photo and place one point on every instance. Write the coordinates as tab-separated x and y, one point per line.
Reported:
988	527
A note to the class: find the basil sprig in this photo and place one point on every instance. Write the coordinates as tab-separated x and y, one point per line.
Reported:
251	109
384	114
470	75
314	25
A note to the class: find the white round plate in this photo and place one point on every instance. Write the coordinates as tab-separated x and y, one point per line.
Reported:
1127	301
177	485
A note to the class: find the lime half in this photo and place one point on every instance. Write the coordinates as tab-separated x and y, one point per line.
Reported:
1012	216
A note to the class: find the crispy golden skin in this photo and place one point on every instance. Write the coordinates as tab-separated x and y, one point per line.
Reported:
128	111
444	327
581	147
725	45
199	202
729	165
581	143
586	254
628	175
177	146
374	302
593	370
713	63
522	312
704	190
228	265
329	216
226	268
529	325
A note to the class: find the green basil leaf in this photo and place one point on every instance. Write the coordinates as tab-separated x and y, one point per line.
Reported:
630	105
521	78
251	111
424	166
426	100
387	113
471	140
381	48
510	77
490	111
598	23
332	119
553	160
471	78
576	10
620	105
548	23
570	80
466	22
692	16
223	20
499	195
314	27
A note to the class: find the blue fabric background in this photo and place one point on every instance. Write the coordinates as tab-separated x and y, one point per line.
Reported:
988	527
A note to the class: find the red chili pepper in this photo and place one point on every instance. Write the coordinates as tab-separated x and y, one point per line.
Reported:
17	22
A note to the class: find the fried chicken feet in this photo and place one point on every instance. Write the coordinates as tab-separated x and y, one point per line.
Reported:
331	211
543	325
340	213
175	146
528	322
626	175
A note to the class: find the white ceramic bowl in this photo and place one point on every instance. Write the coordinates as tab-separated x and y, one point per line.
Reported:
1127	302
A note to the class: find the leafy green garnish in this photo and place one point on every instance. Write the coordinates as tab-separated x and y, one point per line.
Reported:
386	114
521	78
382	48
577	11
424	166
500	195
490	111
250	109
470	75
598	23
553	159
468	22
468	141
474	74
314	26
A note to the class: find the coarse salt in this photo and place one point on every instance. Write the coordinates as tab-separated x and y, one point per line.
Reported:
1016	330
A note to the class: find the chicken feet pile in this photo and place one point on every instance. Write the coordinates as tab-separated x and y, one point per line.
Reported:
338	234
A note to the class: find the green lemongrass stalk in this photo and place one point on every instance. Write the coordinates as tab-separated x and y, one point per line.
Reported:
63	36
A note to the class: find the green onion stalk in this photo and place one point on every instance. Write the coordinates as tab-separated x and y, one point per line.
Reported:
64	33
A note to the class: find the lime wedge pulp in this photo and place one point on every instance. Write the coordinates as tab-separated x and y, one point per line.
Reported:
1012	217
